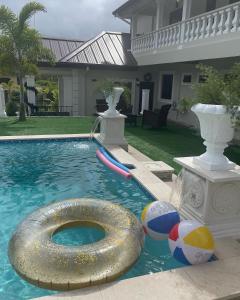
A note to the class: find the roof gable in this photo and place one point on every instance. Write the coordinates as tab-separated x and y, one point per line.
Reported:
108	48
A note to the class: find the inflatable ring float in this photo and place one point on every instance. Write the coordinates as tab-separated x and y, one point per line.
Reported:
39	260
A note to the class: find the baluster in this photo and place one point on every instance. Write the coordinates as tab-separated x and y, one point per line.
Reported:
166	38
170	36
235	21
187	32
179	33
174	35
203	28
228	23
197	30
192	31
215	24
221	22
161	39
209	26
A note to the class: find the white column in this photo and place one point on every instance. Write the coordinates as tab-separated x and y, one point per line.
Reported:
160	13
186	14
30	80
187	7
134	26
2	103
79	92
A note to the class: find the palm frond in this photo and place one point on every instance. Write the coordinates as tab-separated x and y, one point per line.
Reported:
7	20
28	11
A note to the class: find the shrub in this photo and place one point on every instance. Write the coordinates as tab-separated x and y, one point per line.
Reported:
11	108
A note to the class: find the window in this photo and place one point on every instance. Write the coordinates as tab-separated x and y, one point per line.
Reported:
186	79
202	78
167	86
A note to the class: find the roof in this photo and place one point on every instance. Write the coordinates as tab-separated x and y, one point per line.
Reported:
119	10
61	47
108	48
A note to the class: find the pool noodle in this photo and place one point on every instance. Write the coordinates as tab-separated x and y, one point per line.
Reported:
113	161
111	165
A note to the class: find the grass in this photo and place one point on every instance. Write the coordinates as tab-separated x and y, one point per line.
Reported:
163	144
45	125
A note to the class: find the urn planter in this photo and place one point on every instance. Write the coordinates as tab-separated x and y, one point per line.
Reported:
217	131
112	101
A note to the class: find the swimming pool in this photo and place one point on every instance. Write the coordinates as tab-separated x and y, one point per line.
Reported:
35	173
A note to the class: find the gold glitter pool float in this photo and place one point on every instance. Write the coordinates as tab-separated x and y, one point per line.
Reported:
46	264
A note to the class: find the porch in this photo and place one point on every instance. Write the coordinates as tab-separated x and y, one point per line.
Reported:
185	30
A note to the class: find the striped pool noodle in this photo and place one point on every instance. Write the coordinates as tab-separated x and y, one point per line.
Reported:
112	166
113	161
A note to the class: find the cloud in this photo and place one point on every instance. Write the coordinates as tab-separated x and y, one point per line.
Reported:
79	19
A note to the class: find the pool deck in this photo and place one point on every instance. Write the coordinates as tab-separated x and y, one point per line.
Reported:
216	280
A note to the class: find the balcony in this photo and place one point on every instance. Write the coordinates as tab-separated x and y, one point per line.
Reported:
210	35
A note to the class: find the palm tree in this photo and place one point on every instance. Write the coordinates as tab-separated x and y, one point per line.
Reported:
20	46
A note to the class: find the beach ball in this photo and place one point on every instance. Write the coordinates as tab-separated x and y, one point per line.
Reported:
158	218
191	243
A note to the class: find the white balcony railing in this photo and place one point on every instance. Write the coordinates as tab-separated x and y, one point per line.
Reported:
208	25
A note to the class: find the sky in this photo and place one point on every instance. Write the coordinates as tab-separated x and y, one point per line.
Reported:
77	19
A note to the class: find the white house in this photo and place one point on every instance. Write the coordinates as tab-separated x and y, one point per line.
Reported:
171	37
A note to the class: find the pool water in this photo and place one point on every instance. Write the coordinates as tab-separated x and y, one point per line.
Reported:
36	173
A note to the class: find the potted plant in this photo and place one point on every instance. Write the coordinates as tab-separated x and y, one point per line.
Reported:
112	95
217	107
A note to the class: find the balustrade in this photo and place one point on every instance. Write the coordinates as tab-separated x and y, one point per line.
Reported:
208	25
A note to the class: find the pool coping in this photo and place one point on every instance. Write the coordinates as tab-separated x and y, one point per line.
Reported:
216	280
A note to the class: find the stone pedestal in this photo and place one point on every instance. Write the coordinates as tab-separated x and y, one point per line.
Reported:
211	197
112	130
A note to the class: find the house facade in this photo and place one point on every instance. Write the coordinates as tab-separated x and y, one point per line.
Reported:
170	38
80	66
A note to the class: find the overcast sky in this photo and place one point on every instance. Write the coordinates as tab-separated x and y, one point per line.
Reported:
79	19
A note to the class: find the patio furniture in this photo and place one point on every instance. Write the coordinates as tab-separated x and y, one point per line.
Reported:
157	118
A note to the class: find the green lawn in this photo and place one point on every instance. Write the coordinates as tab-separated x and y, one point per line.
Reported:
163	144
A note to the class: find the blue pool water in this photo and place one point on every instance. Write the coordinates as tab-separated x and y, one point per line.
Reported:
35	173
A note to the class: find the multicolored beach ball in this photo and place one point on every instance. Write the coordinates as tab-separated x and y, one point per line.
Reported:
158	218
191	243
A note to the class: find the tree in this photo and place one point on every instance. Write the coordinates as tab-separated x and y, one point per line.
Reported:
10	87
20	46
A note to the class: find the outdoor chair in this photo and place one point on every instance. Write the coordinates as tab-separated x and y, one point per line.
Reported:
157	118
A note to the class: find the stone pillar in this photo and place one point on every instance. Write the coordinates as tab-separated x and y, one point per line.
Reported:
31	95
2	103
211	197
112	131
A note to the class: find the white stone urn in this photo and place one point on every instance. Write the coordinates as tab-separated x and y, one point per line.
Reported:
112	101
217	131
